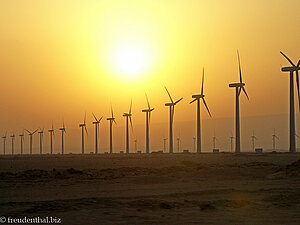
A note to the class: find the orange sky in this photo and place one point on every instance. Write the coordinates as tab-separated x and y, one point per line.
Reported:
57	60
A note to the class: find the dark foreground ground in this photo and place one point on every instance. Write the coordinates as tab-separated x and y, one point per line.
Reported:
153	189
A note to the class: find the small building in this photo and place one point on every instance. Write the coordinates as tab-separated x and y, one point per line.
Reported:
216	150
139	152
258	150
121	152
186	151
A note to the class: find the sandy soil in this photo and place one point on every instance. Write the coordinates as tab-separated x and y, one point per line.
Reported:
153	189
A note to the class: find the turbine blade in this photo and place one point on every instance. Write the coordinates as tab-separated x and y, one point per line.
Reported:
244	90
298	64
193	101
114	121
148	101
169	95
131	124
240	70
84	118
25	130
100	119
130	107
297	81
202	82
85	130
112	111
173	111
178	100
149	116
287	58
35	131
206	107
95	117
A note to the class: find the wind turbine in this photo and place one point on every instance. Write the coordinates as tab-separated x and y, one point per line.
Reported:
274	137
214	141
97	131
63	131
292	69
172	109
30	135
21	141
239	87
165	140
41	132
231	142
12	143
83	128
51	131
253	138
4	143
178	143
197	98
128	116
111	121
148	117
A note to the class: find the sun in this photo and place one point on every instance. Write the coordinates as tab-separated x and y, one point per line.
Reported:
130	61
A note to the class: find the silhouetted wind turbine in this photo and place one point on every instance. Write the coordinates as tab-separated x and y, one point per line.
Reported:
83	128
165	140
148	117
197	98
30	135
97	131
12	143
63	131
41	132
128	116
51	132
214	141
239	87
111	121
253	138
172	109
274	137
4	143
292	69
21	141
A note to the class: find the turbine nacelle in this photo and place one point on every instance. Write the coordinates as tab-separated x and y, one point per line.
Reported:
127	114
198	96
147	110
290	69
237	85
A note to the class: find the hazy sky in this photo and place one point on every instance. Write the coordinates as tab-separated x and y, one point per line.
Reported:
59	59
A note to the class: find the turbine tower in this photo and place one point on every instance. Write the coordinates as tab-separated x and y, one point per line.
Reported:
165	141
63	131
178	144
214	141
274	137
51	132
128	117
292	69
239	87
197	98
253	138
12	143
83	128
30	135
4	143
148	117
111	121
21	141
41	132
97	131
171	106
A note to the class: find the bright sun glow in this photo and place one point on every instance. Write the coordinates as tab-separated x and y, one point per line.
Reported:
131	61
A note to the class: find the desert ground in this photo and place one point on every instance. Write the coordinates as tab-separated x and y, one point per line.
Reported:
208	188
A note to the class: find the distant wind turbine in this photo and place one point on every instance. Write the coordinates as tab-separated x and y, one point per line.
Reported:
148	117
83	129
231	141
178	143
51	132
292	69
214	141
41	132
63	131
274	137
239	87
12	143
97	131
128	117
111	121
171	106
253	138
21	141
30	135
165	143
4	143
197	98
